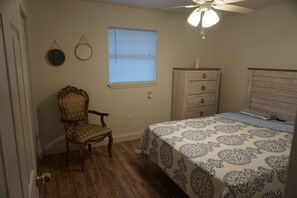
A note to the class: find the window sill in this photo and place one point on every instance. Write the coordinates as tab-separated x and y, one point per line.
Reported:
131	85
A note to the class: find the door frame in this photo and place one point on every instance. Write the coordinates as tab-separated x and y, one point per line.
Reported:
18	158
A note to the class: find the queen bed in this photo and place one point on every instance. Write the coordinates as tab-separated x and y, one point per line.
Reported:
231	154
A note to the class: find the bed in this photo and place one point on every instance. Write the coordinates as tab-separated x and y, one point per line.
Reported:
231	154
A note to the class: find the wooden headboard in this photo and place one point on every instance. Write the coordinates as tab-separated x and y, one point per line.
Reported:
273	91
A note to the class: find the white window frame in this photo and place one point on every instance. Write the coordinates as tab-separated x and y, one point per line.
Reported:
138	83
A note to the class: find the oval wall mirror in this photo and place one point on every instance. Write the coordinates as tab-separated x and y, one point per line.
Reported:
83	51
55	57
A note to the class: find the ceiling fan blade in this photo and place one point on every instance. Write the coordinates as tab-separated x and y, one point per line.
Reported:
232	1
232	8
182	6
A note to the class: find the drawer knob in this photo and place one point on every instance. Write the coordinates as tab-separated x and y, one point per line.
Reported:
203	88
204	76
201	113
202	100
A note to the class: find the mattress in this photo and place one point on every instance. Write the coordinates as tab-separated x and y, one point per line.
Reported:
219	157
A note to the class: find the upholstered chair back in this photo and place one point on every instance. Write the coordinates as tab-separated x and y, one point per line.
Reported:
73	104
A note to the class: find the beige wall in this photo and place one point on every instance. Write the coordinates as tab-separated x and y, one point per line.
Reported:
66	21
265	38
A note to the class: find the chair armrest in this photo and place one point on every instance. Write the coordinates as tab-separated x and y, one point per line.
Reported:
101	116
98	113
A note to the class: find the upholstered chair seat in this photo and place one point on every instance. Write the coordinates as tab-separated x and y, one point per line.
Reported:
90	133
73	104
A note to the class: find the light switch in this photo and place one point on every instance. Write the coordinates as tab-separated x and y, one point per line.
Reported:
149	95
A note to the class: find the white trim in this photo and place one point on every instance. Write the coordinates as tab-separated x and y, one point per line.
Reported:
121	138
50	149
32	183
131	85
53	142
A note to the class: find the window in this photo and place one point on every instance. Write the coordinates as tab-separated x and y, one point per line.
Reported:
132	56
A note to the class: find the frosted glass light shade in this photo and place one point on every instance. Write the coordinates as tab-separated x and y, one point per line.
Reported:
194	18
210	18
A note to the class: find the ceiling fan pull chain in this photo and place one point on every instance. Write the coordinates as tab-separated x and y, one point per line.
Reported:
203	32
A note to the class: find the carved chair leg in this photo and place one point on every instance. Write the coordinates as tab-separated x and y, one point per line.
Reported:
81	155
67	151
110	145
90	147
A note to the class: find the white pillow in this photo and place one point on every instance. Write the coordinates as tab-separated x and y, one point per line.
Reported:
258	114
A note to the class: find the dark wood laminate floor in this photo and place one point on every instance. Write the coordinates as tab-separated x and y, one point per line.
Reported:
123	175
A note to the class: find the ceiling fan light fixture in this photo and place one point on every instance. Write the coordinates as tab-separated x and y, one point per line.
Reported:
210	18
194	18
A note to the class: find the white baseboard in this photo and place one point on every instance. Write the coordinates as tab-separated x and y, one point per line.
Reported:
121	138
58	145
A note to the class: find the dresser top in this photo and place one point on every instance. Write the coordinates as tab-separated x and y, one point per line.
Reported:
197	69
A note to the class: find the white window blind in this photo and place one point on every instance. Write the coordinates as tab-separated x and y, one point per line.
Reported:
132	55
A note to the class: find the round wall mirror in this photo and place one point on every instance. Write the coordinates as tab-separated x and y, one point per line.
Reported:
83	51
55	57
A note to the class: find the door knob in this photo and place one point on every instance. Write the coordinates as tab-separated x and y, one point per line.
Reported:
43	178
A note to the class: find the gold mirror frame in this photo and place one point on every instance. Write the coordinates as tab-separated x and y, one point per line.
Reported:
83	51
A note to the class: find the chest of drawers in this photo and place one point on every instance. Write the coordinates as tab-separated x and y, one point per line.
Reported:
195	93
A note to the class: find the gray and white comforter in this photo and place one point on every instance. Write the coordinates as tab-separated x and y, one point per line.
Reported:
218	157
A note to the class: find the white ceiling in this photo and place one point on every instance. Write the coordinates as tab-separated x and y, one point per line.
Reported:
165	4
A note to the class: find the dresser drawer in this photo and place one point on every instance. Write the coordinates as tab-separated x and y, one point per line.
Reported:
198	87
202	75
197	112
201	100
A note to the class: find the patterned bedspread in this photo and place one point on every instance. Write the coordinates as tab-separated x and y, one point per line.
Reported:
218	157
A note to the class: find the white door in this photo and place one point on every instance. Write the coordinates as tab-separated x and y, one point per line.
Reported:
17	142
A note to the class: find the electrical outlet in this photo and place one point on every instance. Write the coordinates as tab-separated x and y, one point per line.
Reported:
128	118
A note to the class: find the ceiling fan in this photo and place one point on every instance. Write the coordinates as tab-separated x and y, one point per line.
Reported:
205	10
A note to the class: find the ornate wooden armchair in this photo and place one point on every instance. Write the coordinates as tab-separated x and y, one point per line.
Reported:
73	104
